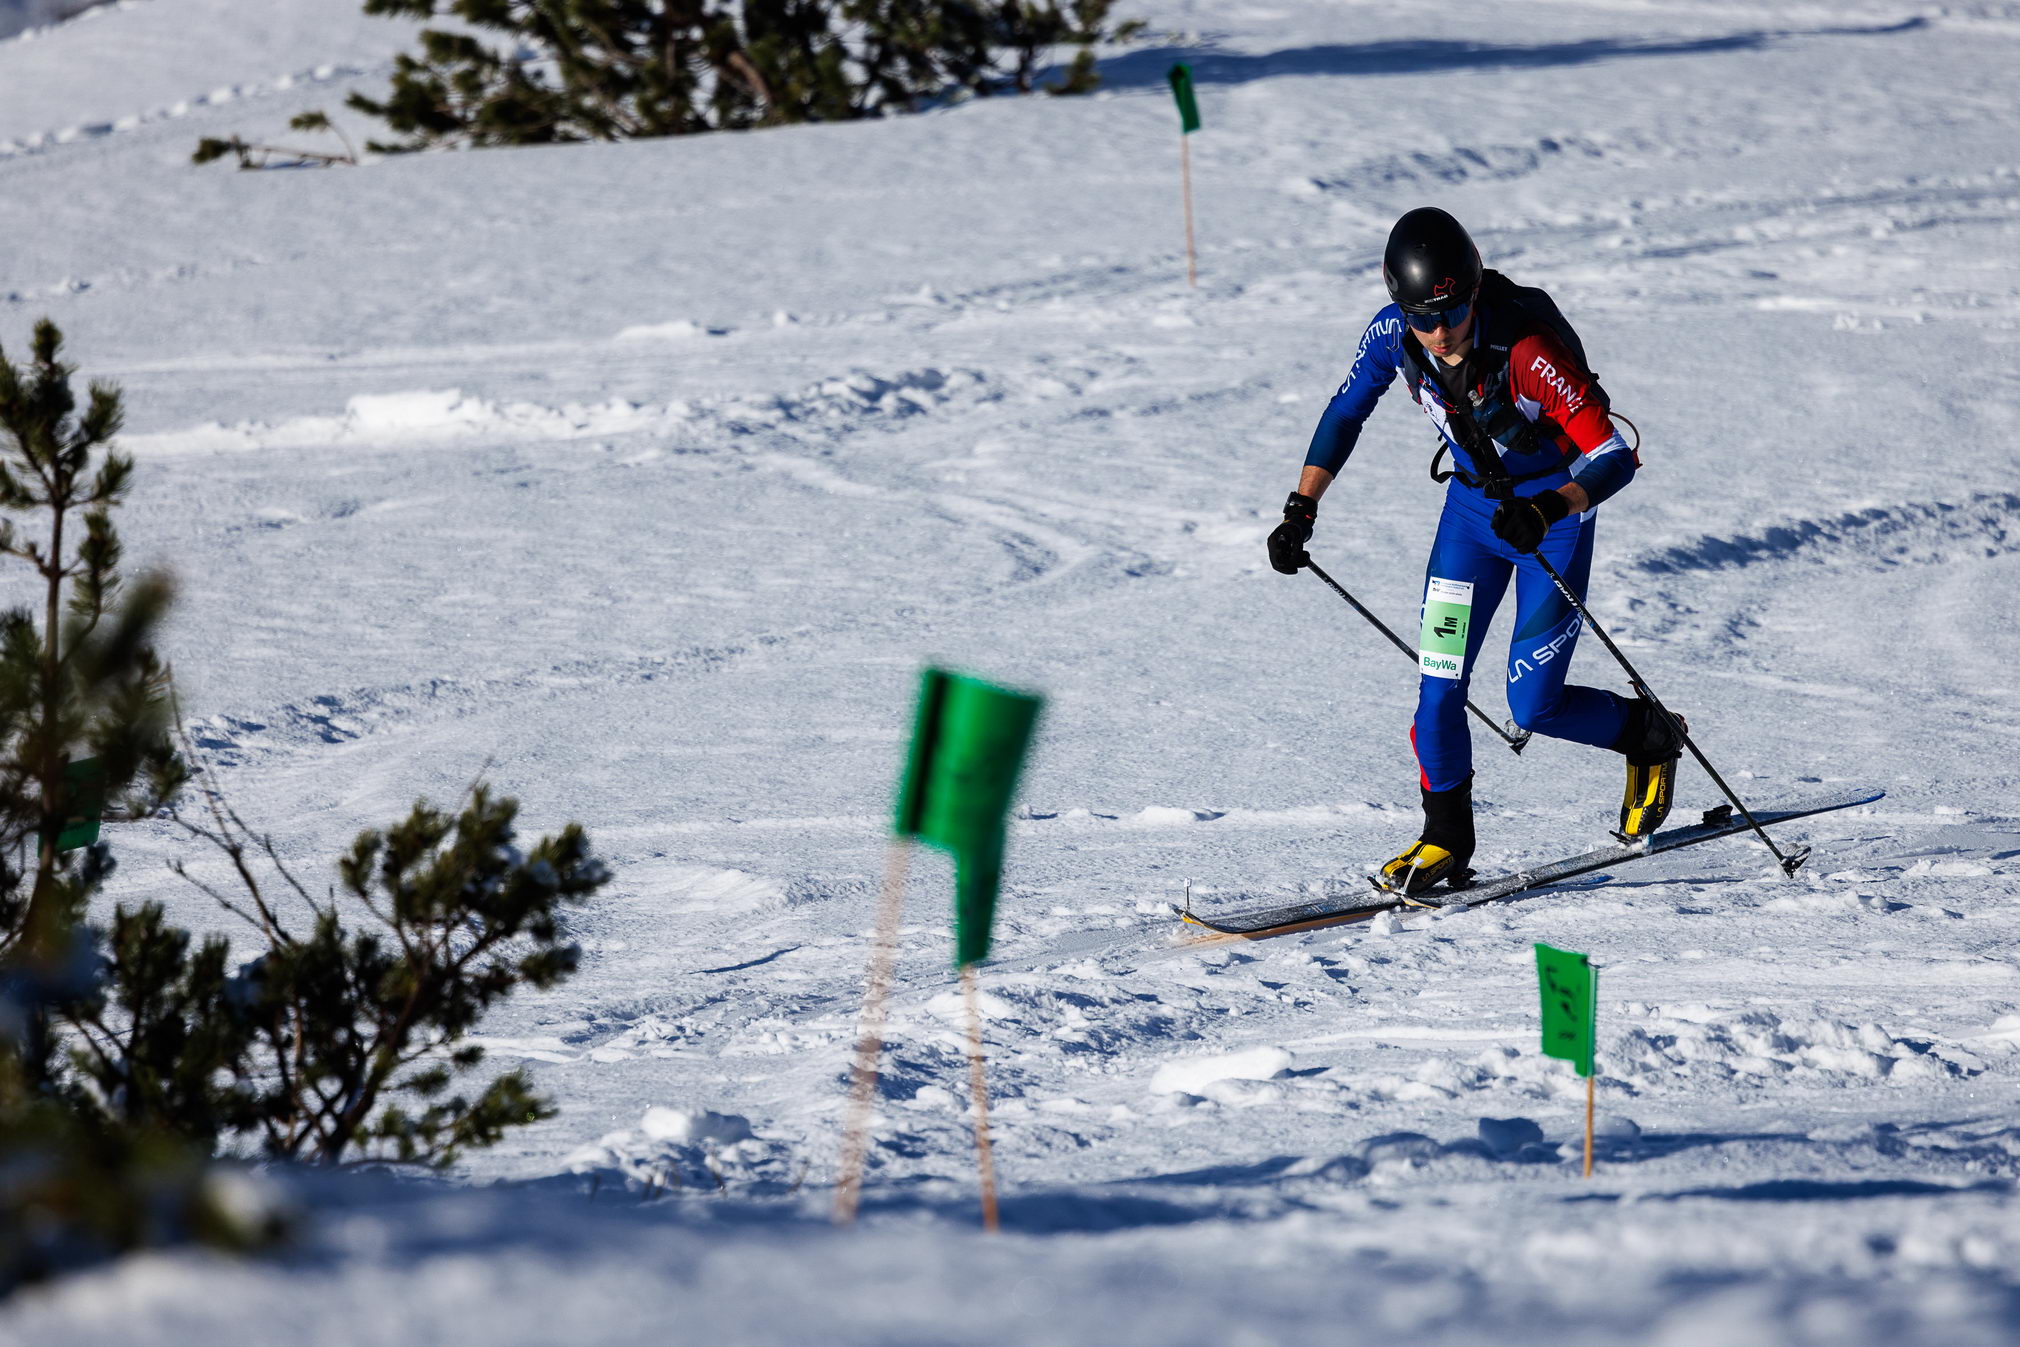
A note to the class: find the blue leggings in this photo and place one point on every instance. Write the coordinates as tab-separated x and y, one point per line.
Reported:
1464	583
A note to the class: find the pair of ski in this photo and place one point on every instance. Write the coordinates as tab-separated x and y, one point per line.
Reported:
1284	919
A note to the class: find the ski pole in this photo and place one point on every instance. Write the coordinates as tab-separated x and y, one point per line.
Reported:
1790	861
1516	742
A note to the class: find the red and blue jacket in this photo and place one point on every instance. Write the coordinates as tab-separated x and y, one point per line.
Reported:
1521	365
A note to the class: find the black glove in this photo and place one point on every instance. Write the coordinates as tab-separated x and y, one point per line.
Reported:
1287	544
1522	522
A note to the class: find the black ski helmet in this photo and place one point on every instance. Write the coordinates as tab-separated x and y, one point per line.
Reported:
1430	264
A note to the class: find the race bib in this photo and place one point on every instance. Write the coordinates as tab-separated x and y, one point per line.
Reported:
1448	613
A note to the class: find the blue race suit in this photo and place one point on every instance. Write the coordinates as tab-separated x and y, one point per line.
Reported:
1523	366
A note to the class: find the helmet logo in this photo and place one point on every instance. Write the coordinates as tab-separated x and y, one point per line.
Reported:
1445	289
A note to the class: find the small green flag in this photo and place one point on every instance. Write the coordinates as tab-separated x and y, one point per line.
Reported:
84	788
967	748
1188	106
1570	986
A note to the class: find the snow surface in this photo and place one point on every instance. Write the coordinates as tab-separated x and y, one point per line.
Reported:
19	15
650	474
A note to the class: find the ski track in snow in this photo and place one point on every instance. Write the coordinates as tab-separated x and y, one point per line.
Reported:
650	474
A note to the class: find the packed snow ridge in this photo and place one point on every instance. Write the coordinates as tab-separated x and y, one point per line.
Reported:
427	415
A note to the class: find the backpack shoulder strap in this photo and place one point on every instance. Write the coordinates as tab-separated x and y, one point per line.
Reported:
1538	312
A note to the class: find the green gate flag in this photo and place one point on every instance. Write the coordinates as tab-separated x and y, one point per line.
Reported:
967	748
1570	986
1188	106
84	788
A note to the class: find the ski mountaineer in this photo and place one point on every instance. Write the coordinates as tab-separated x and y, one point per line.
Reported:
1534	452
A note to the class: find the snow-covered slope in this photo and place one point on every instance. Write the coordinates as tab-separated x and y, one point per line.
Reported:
651	473
19	15
130	63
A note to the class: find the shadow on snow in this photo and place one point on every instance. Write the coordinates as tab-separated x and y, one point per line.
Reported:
1431	56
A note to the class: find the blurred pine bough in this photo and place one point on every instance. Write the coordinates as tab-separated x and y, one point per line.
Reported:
131	1054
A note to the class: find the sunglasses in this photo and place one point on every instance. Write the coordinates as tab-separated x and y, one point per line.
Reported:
1431	322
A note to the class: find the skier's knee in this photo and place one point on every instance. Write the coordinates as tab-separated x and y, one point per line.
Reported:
1537	717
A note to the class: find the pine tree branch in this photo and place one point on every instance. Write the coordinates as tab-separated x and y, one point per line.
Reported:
180	872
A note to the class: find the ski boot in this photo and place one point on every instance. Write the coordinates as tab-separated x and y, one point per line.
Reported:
1440	854
1652	746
